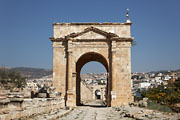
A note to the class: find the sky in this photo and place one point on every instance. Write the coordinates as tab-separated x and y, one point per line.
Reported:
26	26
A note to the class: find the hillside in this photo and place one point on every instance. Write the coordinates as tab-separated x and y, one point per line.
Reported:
31	72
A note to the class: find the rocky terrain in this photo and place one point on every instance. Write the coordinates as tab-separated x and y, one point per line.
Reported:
30	72
95	111
16	106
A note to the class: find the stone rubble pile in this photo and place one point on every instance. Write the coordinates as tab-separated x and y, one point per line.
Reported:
145	114
143	103
53	115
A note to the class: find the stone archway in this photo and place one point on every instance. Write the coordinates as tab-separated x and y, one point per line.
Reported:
85	58
74	44
98	94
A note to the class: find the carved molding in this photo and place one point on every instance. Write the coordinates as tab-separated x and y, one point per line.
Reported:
74	74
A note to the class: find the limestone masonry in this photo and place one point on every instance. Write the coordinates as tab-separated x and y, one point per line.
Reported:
75	44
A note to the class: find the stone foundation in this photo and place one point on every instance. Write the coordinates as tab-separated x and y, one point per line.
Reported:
86	94
16	108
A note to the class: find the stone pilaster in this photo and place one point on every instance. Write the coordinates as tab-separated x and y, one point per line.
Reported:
114	81
59	67
70	92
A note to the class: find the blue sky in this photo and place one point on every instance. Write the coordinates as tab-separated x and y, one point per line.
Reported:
25	28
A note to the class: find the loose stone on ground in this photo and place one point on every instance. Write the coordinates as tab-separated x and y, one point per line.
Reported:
94	111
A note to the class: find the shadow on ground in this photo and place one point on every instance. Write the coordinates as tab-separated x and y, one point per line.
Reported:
97	106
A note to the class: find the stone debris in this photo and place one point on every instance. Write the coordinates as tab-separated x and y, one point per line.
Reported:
16	95
4	101
145	114
53	115
143	103
15	106
53	109
97	112
94	111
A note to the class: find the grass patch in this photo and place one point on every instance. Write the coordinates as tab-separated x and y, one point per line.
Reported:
155	106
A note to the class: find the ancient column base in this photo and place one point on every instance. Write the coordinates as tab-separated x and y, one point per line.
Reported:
118	100
71	101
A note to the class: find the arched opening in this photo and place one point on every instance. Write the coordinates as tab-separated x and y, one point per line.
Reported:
98	94
91	84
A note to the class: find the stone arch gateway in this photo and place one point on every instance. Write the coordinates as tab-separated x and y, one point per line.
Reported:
75	44
85	58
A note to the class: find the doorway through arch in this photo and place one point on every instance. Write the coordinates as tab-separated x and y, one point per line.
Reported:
98	94
84	59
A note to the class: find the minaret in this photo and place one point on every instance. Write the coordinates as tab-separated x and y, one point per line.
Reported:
127	15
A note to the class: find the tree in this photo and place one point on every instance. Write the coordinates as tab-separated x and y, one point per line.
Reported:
164	94
11	79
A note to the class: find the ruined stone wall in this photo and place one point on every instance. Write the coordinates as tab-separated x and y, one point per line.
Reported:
86	93
16	108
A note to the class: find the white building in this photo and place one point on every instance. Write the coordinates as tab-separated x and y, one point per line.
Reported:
157	78
144	85
32	86
167	77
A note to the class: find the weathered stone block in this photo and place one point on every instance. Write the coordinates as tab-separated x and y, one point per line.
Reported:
42	95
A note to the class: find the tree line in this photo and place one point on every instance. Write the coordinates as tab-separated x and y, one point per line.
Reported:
11	80
164	94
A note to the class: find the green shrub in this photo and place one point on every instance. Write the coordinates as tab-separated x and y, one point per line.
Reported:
164	94
11	79
156	106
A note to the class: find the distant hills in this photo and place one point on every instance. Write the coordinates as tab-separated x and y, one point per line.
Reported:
165	71
161	71
30	72
39	72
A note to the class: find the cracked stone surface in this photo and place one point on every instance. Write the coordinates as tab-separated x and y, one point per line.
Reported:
94	111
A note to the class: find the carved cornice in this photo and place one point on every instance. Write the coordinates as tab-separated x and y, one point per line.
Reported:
95	23
57	39
107	35
122	39
119	39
